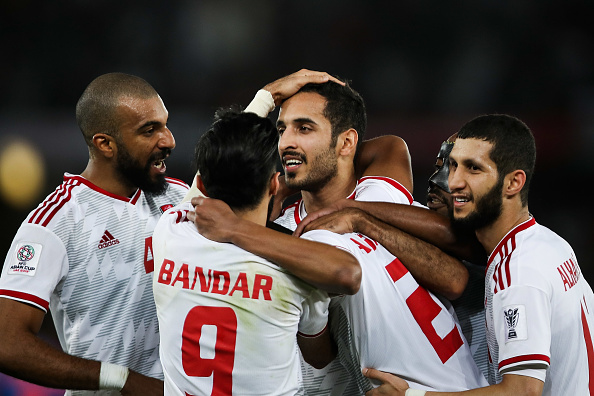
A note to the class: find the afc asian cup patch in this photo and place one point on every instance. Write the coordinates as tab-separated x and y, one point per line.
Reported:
25	259
514	317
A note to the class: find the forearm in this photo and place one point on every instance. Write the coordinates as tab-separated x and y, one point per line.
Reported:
424	224
430	266
321	265
27	357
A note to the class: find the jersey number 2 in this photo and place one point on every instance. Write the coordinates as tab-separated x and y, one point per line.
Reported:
221	365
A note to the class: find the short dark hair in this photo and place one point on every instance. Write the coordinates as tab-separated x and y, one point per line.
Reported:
513	144
96	108
344	109
237	157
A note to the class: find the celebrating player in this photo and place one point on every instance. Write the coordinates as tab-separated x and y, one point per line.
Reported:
320	128
229	318
537	301
85	253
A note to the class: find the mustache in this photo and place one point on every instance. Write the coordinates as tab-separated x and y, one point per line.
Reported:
301	156
160	155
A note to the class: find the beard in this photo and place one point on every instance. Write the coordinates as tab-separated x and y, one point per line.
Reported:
324	168
140	176
488	209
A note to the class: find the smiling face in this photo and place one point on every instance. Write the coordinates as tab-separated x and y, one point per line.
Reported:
143	143
438	193
307	150
475	184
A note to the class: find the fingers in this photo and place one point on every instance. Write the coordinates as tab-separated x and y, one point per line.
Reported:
376	374
197	200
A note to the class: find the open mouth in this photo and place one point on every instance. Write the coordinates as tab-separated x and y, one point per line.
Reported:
292	161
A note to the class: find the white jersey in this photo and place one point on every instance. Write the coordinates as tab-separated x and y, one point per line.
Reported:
85	254
538	312
228	318
402	337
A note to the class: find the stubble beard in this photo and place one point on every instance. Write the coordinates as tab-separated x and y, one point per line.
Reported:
488	209
324	168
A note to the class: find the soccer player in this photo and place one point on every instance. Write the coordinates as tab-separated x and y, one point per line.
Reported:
228	318
537	301
85	253
368	218
394	322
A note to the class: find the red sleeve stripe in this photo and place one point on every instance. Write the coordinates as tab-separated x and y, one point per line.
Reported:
315	335
525	359
393	183
136	196
48	201
26	298
54	204
178	182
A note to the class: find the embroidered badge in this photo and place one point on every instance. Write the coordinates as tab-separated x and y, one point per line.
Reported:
514	317
26	258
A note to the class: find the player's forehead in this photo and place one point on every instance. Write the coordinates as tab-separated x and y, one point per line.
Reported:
302	105
471	148
135	112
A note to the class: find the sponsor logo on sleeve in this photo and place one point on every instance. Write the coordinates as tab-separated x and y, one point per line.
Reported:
25	259
514	317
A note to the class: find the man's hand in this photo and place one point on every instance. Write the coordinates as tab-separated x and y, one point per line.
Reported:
213	218
140	385
340	222
288	86
391	384
312	217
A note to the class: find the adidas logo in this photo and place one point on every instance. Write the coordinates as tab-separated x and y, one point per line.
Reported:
107	240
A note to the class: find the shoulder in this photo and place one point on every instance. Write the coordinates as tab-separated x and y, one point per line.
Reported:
373	188
60	201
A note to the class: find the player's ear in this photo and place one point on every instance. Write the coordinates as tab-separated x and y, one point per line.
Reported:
514	182
104	144
274	184
200	184
348	142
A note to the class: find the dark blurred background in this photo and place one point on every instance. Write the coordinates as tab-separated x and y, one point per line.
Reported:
424	68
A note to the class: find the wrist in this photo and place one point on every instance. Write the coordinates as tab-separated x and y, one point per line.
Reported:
262	104
112	376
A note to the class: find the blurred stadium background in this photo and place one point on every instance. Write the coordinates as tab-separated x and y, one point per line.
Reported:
424	68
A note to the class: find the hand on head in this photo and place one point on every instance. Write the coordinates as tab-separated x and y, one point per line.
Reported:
288	86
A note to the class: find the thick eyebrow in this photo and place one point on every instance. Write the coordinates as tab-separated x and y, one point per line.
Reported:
301	120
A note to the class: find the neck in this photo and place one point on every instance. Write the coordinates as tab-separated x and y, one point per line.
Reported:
336	189
490	236
106	177
258	215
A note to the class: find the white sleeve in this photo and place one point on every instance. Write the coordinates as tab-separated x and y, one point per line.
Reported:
521	320
34	265
314	318
382	189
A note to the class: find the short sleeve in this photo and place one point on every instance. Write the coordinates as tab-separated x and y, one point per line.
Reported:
314	318
522	325
35	263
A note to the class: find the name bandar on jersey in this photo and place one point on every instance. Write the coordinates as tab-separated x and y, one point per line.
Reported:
86	255
228	318
392	324
539	312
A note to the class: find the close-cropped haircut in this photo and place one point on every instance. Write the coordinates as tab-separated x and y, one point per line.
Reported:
96	108
513	144
237	157
344	109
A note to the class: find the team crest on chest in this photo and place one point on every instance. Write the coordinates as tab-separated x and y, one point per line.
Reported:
26	258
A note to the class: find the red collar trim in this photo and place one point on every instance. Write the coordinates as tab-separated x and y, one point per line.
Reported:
87	183
511	234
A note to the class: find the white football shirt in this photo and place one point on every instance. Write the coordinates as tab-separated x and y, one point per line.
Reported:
86	255
392	324
228	318
538	311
